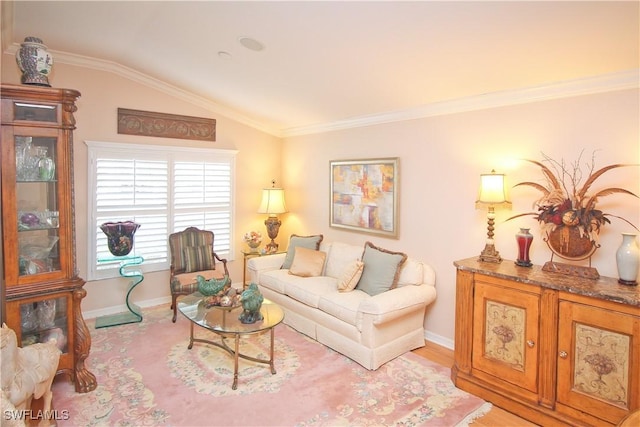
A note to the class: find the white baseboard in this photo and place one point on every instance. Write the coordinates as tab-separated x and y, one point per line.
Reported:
107	311
429	336
123	308
439	339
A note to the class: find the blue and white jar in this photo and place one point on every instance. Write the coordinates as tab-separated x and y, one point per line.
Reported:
34	61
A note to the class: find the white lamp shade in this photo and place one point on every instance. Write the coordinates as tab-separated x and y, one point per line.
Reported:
272	201
492	191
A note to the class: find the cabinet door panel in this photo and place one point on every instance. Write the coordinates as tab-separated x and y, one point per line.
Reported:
505	334
598	360
42	319
31	208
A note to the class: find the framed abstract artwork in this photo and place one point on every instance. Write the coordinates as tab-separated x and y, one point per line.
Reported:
364	195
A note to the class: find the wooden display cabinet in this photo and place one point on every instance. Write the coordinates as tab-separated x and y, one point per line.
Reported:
554	349
41	287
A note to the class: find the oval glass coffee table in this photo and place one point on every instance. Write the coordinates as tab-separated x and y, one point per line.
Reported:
223	321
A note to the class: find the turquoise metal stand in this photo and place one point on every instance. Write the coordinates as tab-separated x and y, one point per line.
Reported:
135	314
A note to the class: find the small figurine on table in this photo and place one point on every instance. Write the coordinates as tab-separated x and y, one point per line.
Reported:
251	300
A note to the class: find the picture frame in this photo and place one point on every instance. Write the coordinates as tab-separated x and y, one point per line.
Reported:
364	195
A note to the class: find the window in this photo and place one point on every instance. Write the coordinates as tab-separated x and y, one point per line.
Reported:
164	189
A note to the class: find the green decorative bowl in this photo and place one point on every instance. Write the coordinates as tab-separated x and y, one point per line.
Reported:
212	286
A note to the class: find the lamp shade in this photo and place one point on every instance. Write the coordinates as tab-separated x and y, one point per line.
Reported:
492	191
272	201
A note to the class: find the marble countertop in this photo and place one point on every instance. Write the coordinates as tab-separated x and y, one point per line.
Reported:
606	288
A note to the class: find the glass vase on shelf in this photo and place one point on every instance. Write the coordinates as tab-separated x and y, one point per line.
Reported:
46	166
24	158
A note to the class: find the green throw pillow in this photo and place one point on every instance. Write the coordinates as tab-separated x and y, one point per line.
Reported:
309	242
198	258
381	269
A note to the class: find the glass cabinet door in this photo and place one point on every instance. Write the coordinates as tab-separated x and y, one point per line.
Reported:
37	204
45	320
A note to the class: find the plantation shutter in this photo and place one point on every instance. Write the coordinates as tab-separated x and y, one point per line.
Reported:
164	189
135	190
202	198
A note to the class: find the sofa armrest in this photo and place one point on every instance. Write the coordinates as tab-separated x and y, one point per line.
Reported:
259	264
396	302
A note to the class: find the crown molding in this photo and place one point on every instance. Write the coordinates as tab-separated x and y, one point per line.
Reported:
629	79
159	85
624	80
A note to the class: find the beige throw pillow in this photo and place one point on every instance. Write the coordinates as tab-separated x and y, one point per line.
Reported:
309	242
307	262
349	279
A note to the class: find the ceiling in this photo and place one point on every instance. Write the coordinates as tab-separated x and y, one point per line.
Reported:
329	62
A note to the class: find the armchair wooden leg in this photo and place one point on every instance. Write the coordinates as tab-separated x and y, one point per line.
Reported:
174	307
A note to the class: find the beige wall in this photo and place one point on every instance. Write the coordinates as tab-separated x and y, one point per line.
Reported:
441	159
257	162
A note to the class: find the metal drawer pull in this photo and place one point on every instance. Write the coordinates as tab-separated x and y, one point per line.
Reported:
563	354
531	343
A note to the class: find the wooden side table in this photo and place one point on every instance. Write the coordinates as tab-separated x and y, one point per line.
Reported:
252	254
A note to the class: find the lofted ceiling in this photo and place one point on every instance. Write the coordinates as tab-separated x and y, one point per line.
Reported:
324	62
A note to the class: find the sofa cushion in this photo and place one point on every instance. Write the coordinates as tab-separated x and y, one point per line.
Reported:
350	276
275	280
307	262
309	290
343	306
381	269
197	258
340	256
309	242
411	273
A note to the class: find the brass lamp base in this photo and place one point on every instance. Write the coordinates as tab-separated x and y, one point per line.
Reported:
273	226
490	254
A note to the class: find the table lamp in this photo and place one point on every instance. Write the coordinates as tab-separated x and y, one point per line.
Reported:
272	204
492	194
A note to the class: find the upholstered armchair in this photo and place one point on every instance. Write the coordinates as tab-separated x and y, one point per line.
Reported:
27	373
192	255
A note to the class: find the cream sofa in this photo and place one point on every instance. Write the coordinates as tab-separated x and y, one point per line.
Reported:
371	330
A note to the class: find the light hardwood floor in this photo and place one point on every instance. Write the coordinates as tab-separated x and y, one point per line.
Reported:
497	417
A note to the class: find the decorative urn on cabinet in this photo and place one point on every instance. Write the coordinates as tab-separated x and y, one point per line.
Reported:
568	214
627	260
34	61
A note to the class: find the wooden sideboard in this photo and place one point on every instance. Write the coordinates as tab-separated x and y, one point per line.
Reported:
551	348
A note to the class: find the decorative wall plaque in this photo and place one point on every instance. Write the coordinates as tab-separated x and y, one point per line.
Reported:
147	123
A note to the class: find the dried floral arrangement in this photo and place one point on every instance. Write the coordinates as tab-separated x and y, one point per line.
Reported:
566	199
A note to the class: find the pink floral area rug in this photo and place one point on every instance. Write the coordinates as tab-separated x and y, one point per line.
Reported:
147	377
